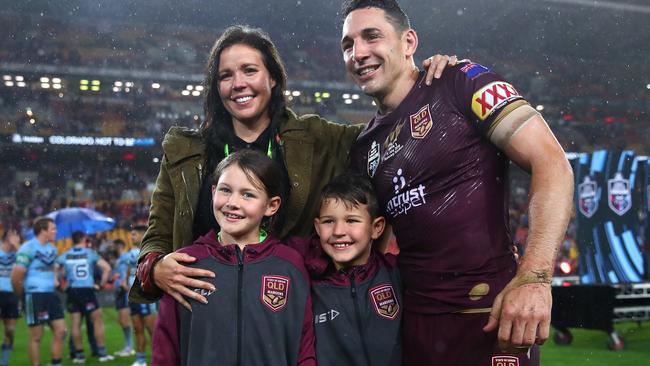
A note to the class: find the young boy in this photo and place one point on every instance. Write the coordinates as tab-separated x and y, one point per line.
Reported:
356	291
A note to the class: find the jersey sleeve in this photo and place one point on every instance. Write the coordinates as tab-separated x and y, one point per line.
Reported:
24	256
483	96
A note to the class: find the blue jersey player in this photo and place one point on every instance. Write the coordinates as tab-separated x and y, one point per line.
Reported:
142	315
122	297
8	301
78	264
33	276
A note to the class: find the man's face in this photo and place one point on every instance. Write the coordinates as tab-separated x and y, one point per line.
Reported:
373	50
50	232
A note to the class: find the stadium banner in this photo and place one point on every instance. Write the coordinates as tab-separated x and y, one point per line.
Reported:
81	140
607	217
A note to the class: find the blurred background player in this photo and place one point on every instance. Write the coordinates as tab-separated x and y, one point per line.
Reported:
9	310
33	276
79	265
142	315
122	298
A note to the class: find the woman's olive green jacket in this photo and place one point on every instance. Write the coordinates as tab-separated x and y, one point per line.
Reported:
315	150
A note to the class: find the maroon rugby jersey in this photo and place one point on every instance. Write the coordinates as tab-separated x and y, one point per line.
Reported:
443	186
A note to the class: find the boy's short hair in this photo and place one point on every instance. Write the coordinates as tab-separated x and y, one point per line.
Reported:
352	189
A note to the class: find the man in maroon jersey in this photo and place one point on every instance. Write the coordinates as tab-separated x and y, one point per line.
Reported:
438	157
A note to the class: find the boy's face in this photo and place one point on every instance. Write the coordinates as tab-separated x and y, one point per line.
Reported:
346	234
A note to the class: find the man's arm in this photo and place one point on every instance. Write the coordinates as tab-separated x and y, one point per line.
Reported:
18	280
522	310
106	271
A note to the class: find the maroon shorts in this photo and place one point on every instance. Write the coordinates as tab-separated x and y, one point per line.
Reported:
456	339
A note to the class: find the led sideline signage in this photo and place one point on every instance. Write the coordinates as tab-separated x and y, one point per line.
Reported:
83	140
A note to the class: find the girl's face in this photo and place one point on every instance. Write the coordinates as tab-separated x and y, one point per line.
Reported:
245	85
239	206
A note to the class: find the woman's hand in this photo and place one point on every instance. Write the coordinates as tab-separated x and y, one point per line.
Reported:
434	66
180	281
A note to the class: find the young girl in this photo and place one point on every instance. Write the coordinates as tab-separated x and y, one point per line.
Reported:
259	311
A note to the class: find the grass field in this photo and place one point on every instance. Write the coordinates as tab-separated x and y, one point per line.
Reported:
589	348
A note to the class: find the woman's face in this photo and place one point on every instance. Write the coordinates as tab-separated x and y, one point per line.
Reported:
245	85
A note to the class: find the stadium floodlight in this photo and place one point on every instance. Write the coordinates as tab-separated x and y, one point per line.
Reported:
19	78
56	80
83	82
21	84
83	87
45	79
185	92
348	101
287	92
318	100
295	93
116	89
156	160
32	121
189	87
317	94
326	94
155	86
95	88
6	77
45	85
539	107
199	87
129	84
355	96
647	86
118	83
29	112
96	82
56	86
196	93
346	96
9	83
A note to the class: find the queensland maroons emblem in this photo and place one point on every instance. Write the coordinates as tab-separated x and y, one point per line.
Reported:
275	290
505	361
619	196
373	158
421	123
385	302
587	198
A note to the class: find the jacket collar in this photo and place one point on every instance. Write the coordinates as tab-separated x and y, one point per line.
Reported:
229	252
344	277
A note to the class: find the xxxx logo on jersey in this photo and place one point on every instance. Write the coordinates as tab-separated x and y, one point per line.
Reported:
491	97
275	290
385	301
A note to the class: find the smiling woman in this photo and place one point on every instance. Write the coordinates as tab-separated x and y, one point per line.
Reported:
245	109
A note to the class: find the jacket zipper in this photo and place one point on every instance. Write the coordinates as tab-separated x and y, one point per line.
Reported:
357	313
240	287
187	193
